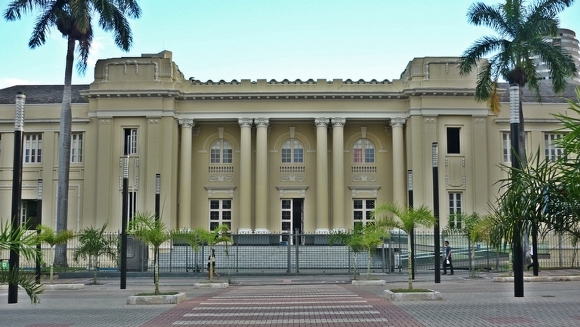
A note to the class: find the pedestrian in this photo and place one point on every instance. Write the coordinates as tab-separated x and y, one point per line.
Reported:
211	265
448	261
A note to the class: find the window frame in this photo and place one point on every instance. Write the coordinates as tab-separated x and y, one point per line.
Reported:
220	213
451	143
365	209
361	154
225	155
36	149
130	141
455	207
76	147
294	149
551	152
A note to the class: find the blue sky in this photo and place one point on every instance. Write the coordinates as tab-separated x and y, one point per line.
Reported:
271	39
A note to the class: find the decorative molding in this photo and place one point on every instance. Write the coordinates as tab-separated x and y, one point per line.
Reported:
397	122
338	122
478	120
286	190
218	189
262	122
321	122
154	121
135	63
364	178
221	178
430	120
186	122
292	178
364	190
245	122
105	121
195	131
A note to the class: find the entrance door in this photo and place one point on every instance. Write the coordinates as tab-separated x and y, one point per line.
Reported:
292	217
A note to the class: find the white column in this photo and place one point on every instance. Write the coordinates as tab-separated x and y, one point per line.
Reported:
245	175
261	175
184	214
399	173
321	175
338	215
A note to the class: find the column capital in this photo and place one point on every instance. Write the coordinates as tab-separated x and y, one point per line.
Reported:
245	122
321	122
338	122
186	122
398	122
262	122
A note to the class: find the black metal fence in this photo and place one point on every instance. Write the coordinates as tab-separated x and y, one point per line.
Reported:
313	253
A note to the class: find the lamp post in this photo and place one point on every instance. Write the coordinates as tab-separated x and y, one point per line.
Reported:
412	236
436	241
38	222
124	215
16	192
518	263
157	192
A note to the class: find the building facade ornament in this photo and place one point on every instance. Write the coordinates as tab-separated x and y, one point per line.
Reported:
398	122
186	122
338	122
245	122
321	122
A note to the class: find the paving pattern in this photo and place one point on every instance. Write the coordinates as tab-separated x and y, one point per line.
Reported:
287	305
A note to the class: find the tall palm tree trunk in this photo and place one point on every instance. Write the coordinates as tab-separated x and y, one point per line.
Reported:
64	155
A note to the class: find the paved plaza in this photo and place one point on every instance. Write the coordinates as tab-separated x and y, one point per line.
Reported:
321	300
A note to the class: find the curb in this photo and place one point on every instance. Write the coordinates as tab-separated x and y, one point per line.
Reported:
539	279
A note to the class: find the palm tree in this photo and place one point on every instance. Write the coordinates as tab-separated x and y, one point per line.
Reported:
74	20
524	34
220	234
352	239
93	244
153	232
52	238
467	227
409	218
25	243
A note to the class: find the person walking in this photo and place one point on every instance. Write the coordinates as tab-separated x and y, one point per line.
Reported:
211	265
448	261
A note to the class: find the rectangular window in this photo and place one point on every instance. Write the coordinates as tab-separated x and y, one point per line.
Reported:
76	147
132	205
453	140
130	141
506	147
357	155
455	210
32	148
551	150
362	210
220	212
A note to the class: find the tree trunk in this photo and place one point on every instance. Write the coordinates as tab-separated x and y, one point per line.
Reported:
64	155
156	269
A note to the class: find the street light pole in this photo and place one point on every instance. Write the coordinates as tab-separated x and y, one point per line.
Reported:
16	193
436	240
518	263
412	236
157	192
124	215
38	223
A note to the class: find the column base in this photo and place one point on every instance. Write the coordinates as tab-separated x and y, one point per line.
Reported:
321	231
338	230
262	231
244	231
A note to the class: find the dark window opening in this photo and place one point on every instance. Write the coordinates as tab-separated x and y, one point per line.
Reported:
453	144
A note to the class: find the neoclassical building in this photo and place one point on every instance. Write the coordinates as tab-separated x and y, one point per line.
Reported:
266	155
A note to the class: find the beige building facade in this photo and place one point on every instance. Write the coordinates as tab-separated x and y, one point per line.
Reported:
264	156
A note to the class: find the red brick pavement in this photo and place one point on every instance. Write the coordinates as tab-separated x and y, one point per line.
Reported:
288	306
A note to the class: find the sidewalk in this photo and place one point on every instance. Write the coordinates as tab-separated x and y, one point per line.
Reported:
466	302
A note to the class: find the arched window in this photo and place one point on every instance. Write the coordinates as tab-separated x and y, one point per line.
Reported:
221	152
363	152
292	151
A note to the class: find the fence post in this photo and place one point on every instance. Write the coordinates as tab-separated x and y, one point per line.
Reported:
288	252
296	244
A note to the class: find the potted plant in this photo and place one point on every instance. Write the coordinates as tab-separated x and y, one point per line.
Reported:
94	244
408	219
52	238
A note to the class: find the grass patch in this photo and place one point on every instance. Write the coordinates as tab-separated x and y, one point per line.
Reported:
406	290
153	294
